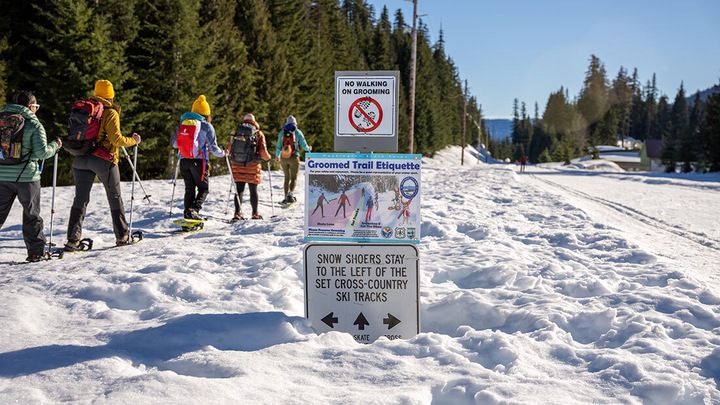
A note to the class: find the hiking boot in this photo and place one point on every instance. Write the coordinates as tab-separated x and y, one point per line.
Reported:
256	216
191	214
35	258
72	245
237	217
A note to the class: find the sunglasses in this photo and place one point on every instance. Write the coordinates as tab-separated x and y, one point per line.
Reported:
37	106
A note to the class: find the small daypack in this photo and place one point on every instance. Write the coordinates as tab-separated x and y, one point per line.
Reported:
83	127
11	134
187	138
244	144
288	143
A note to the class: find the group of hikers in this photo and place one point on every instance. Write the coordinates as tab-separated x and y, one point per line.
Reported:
20	177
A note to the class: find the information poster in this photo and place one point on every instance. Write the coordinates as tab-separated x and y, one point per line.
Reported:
362	197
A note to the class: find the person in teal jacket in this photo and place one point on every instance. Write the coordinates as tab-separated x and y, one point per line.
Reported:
290	158
22	180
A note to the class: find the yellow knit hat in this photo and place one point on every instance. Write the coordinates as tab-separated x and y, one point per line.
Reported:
104	89
201	106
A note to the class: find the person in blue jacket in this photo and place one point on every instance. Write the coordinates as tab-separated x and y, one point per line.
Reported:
22	180
195	169
287	153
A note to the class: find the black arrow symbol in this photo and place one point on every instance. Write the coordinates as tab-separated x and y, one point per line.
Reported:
330	320
391	321
361	322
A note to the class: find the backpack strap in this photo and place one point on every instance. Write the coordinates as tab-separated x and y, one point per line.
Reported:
204	162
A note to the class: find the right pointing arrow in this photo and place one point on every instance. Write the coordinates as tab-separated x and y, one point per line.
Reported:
391	321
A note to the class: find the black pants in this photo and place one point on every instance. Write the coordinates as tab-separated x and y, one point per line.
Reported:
253	196
32	224
85	168
197	184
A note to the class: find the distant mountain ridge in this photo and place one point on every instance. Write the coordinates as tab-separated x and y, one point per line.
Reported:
499	128
704	94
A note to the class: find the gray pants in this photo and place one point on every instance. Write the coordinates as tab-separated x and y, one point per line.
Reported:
85	169
32	224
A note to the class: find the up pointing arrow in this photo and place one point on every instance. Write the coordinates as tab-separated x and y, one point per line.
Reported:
361	322
390	321
330	320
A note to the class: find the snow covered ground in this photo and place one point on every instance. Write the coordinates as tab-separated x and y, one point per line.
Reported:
557	285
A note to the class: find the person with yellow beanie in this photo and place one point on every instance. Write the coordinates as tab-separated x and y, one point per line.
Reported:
194	138
87	167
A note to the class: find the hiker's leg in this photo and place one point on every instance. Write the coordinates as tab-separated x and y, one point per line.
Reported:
32	223
84	179
8	191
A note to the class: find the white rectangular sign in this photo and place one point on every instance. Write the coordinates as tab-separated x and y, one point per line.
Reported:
366	115
365	105
367	290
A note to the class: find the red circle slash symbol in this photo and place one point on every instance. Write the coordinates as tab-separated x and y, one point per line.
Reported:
365	114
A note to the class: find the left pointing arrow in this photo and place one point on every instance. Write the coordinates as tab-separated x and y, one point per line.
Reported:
330	320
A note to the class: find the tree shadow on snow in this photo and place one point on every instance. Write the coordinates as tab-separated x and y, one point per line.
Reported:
241	332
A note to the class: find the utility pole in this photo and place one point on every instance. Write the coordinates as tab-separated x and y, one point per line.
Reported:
462	149
413	61
480	134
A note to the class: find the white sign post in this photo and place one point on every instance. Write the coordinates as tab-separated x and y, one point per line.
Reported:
367	290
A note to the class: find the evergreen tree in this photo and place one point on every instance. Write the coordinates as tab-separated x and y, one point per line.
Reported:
621	98
650	109
3	67
710	132
169	61
429	134
380	55
593	103
228	74
69	48
450	104
267	56
402	44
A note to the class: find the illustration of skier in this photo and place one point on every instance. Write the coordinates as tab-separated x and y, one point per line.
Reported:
320	201
341	204
369	209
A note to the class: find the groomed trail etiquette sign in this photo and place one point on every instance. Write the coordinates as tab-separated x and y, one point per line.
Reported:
367	290
356	197
366	116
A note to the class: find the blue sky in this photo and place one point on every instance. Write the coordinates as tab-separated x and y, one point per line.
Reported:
526	49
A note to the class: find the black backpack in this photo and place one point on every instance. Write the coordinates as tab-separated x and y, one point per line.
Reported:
244	144
11	135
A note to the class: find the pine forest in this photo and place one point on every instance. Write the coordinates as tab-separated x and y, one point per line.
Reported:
274	58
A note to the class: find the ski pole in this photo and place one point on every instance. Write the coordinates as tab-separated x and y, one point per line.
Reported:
174	182
132	194
52	203
232	185
272	204
135	173
227	206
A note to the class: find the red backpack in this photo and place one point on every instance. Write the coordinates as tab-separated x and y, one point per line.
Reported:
187	141
288	144
83	127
